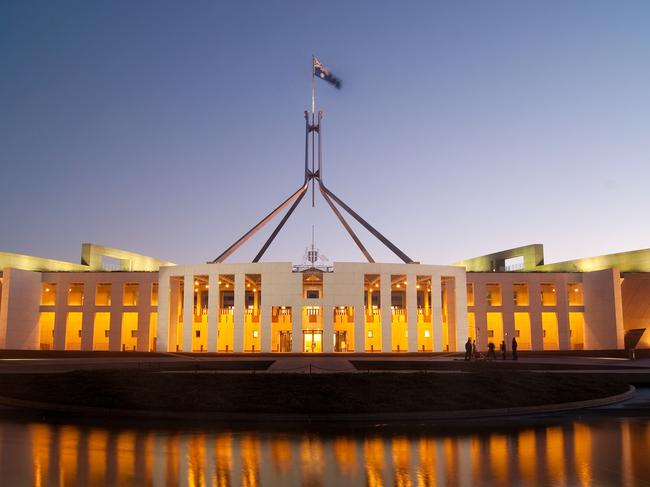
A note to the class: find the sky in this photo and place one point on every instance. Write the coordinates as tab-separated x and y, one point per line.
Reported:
462	128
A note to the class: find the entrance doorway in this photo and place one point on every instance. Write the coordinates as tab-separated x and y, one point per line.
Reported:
312	341
340	341
285	341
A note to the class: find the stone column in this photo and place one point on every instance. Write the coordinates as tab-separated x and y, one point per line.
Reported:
88	317
460	311
144	317
61	315
296	327
386	314
328	328
536	333
480	315
240	293
213	310
436	313
265	328
412	312
508	305
561	289
163	324
174	304
188	311
360	318
115	332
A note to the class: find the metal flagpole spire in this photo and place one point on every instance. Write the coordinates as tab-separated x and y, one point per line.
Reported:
313	173
313	110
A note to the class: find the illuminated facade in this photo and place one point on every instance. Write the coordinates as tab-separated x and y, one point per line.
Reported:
117	300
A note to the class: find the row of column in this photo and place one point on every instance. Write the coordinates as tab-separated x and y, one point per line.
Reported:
170	292
88	310
534	310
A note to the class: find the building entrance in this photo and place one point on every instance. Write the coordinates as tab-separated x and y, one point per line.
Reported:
340	341
312	341
285	341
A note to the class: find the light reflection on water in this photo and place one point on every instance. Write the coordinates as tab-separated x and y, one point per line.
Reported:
562	453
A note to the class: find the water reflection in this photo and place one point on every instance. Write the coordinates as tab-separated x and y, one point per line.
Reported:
596	452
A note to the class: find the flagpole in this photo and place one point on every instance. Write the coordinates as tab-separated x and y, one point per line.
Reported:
313	108
313	85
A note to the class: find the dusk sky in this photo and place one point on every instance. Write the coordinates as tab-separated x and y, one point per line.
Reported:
462	128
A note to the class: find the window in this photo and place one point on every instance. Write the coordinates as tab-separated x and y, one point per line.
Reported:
197	333
103	294
470	294
576	297
48	294
154	294
493	294
131	292
520	292
134	333
313	294
517	333
106	333
490	333
76	294
549	297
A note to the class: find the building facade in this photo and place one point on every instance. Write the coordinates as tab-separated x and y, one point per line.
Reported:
122	301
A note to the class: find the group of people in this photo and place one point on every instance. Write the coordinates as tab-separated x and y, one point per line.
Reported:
471	351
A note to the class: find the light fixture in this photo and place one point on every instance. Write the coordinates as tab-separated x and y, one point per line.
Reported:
255	334
227	285
376	285
417	286
207	286
369	333
254	289
427	333
399	286
47	289
219	282
405	283
248	285
575	290
196	283
196	289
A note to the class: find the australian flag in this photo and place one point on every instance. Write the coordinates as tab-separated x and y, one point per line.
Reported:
320	71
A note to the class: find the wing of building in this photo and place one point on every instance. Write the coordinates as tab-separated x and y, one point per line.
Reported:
119	300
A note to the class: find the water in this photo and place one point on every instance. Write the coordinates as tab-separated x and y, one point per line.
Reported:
560	451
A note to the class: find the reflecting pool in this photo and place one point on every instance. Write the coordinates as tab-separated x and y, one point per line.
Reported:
559	452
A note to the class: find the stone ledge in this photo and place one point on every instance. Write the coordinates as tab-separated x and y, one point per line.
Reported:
15	404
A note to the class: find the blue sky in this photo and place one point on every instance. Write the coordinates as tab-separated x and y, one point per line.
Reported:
170	128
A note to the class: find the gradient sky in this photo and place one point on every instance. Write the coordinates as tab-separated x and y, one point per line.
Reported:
464	127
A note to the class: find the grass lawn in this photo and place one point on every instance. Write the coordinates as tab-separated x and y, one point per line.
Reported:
302	393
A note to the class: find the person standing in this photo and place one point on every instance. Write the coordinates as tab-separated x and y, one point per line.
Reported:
468	349
514	348
502	348
491	351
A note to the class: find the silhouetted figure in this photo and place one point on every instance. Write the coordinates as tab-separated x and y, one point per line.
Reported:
468	349
474	350
502	347
514	348
491	351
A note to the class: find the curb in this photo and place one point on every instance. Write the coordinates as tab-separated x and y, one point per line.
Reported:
342	417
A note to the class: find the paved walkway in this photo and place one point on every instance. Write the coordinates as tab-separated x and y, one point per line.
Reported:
303	363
